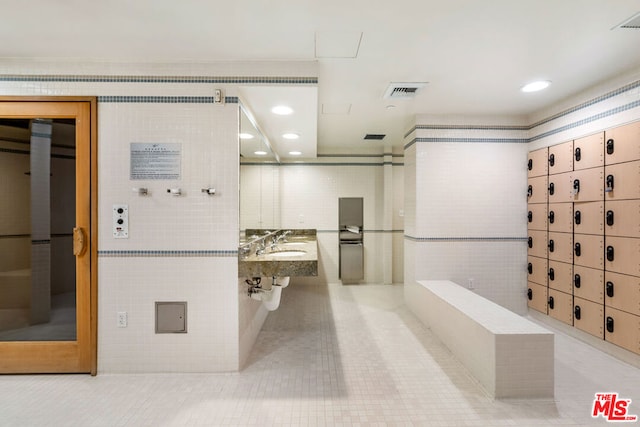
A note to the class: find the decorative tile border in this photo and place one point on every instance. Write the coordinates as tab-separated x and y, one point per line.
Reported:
166	99
167	253
283	80
465	239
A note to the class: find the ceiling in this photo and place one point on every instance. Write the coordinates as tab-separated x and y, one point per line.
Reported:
475	55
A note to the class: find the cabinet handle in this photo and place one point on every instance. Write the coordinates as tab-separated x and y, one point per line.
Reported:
530	268
576	281
530	294
577	217
551	188
552	217
610	253
551	303
576	186
577	154
609	218
609	324
609	146
530	191
609	288
577	249
530	242
552	274
551	245
552	160
609	184
530	216
530	165
576	312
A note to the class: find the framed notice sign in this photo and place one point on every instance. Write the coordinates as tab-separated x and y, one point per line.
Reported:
155	161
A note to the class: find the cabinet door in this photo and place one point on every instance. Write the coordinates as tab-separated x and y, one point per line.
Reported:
622	255
537	270
587	185
588	250
622	292
537	190
588	152
561	276
561	158
537	216
537	297
622	329
560	306
622	144
622	181
561	247
537	243
588	217
561	217
560	188
588	283
538	163
588	317
622	218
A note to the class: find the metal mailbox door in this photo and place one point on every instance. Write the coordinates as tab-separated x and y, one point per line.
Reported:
588	317
537	163
622	218
561	276
622	144
588	217
622	292
588	250
587	185
561	247
622	181
588	152
588	283
622	255
561	158
561	217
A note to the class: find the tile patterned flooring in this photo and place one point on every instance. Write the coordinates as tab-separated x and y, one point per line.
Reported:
329	356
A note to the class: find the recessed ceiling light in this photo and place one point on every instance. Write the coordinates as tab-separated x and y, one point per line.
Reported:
536	86
295	153
260	153
282	110
291	135
246	136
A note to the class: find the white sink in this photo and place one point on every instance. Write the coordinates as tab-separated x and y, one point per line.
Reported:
286	254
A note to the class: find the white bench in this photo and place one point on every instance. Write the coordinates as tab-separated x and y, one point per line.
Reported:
509	355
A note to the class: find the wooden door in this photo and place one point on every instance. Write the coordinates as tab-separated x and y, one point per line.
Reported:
63	198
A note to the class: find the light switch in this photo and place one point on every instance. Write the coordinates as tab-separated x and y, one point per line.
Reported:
120	221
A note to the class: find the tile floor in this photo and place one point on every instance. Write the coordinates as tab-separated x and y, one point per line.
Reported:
329	356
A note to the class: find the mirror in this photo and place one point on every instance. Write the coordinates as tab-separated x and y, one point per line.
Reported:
259	177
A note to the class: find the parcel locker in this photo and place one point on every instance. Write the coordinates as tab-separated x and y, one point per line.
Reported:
588	152
561	217
587	185
588	217
537	216
537	270
622	181
537	163
588	317
588	283
561	158
537	243
622	255
537	190
560	276
622	144
622	329
622	218
588	250
559	188
560	306
560	247
537	297
622	292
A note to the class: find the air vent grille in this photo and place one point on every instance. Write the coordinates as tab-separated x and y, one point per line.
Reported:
375	136
632	23
403	90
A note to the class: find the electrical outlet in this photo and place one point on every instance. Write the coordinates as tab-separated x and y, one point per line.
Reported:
122	319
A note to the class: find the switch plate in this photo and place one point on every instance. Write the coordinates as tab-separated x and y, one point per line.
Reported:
120	221
122	319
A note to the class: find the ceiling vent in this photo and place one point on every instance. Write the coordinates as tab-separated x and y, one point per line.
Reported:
375	136
633	22
403	90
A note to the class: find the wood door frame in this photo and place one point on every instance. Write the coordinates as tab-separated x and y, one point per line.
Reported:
93	214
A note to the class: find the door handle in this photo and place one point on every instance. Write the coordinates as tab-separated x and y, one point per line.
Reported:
552	217
530	294
609	288
576	186
609	146
609	184
552	274
79	241
577	249
609	324
577	217
551	303
530	216
530	242
530	165
609	218
551	188
577	154
552	160
576	312
610	253
551	245
576	281
530	268
530	191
